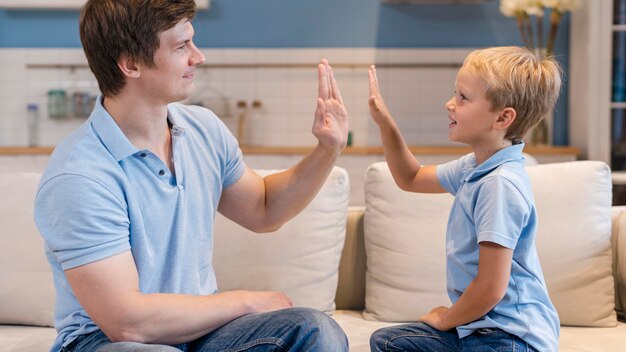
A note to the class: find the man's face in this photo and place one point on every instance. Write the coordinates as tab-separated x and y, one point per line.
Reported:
171	79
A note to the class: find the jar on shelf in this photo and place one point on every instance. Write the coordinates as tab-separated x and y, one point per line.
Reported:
57	103
81	104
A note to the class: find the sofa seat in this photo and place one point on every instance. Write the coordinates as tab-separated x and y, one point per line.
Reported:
16	338
572	339
23	338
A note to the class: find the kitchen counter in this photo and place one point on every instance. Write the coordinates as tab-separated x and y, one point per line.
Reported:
417	150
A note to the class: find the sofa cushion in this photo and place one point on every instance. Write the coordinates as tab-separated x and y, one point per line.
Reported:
26	289
574	239
300	259
405	234
405	249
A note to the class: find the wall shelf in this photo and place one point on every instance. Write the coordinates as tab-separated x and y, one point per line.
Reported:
63	4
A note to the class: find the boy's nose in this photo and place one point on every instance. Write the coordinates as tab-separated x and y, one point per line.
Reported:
449	105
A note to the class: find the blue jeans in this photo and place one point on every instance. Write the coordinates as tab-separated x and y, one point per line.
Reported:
292	329
421	337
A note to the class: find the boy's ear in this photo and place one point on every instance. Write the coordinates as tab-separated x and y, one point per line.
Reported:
128	67
506	118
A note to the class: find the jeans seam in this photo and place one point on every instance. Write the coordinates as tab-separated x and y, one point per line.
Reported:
264	341
412	335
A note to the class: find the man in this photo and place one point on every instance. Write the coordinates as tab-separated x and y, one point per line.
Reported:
126	205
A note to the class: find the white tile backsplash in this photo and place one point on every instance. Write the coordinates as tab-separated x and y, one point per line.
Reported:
414	94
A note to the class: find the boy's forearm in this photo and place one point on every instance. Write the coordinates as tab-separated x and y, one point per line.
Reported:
403	165
475	302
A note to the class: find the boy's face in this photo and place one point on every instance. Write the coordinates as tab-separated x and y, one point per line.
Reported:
469	111
171	79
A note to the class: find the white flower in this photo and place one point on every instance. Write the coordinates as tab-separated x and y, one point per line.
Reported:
568	5
549	4
511	8
534	10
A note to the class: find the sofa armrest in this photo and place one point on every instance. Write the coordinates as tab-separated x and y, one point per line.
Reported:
618	244
351	286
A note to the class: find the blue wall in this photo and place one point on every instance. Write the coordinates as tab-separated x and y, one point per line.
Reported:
314	23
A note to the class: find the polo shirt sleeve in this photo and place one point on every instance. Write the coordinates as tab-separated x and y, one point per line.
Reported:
501	212
233	165
80	220
449	175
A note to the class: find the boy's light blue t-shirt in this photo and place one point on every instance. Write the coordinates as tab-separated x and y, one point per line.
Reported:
494	202
100	196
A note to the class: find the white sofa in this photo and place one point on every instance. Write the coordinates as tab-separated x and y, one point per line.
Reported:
384	261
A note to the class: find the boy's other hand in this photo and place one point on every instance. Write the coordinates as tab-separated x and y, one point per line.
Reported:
377	106
331	118
435	318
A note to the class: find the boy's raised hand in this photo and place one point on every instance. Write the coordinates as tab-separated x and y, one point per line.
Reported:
378	109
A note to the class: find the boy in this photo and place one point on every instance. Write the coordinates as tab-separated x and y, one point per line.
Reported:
494	279
127	202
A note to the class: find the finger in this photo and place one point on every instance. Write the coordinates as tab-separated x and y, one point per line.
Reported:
320	110
331	88
375	75
372	103
372	85
322	82
335	90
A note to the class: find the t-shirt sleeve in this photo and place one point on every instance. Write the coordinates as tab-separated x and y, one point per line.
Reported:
501	212
80	220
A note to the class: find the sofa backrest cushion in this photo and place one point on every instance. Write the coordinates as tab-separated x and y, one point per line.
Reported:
300	259
618	244
26	286
405	234
405	249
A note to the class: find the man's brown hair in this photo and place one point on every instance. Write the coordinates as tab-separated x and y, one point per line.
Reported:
112	28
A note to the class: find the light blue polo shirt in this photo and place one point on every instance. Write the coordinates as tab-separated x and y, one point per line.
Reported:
494	202
101	196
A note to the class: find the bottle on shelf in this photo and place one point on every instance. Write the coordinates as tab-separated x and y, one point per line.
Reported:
33	124
242	111
255	126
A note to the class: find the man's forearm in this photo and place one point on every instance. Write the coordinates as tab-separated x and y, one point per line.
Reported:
289	192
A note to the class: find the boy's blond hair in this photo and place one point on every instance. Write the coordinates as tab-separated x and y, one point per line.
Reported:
514	77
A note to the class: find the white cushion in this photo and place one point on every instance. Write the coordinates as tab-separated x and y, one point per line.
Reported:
405	234
26	286
574	239
300	259
405	245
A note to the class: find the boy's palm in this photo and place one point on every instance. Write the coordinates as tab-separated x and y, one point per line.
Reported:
377	106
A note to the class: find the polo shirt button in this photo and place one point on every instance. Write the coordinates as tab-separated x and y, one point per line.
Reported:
161	172
143	155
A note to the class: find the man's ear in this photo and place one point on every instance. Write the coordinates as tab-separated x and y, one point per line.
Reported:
506	118
128	67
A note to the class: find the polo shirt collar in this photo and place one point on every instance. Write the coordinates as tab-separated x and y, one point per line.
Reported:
110	133
512	153
112	136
